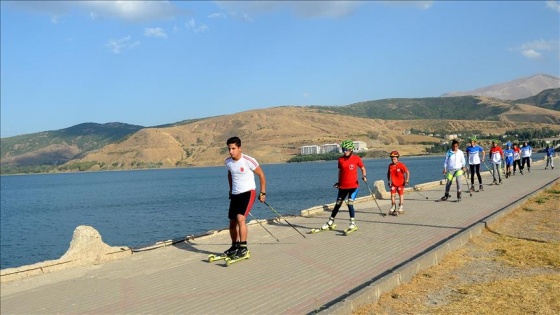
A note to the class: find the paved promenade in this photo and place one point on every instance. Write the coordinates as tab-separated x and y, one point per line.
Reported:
325	272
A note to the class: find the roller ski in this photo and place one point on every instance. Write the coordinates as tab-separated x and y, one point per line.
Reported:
234	259
231	252
351	228
325	227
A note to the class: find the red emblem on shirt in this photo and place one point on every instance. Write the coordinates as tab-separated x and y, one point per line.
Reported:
241	169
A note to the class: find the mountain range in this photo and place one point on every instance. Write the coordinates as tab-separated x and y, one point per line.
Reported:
274	135
516	89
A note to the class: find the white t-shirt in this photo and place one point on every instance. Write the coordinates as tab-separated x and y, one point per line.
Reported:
242	176
454	160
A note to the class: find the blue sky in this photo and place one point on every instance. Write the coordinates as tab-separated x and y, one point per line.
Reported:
151	63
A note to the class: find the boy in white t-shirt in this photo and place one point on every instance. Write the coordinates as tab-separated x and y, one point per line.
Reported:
242	191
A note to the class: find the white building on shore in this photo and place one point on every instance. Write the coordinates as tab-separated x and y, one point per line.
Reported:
330	148
310	149
359	146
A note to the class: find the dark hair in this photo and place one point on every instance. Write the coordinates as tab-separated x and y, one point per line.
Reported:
235	140
454	142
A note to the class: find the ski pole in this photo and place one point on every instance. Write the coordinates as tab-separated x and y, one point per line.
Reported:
467	181
375	199
270	207
259	222
416	190
487	169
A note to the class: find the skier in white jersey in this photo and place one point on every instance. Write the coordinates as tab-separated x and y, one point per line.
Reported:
242	191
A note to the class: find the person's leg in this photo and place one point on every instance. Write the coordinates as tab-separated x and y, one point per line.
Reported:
341	195
233	231
242	228
477	169
448	182
233	226
459	181
351	198
473	171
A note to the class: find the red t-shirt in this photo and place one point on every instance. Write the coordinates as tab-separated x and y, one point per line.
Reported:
348	171
396	173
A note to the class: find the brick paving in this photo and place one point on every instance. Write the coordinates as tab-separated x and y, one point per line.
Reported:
326	272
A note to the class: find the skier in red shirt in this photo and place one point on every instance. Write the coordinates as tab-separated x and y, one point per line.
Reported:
347	184
398	177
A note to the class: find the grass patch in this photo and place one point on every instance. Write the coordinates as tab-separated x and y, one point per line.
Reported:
517	296
512	269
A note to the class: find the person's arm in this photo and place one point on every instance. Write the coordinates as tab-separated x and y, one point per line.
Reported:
483	153
364	173
262	180
407	177
229	182
388	174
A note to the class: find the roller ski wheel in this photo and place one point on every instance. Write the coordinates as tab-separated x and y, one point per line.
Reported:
232	260
213	258
350	230
330	228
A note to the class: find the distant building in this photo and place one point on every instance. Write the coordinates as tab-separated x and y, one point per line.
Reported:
310	149
360	146
450	137
330	148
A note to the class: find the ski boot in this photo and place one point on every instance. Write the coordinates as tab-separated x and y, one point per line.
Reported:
445	197
241	251
241	254
393	210
458	196
329	225
480	187
325	227
231	252
351	228
401	210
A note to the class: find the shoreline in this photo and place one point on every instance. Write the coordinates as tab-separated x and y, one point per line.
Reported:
124	251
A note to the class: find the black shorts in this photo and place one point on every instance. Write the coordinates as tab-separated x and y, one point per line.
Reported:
241	204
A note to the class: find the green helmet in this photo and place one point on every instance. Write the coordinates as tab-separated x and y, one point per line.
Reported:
347	144
473	138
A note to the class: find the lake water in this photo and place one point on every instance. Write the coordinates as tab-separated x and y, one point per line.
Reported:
138	208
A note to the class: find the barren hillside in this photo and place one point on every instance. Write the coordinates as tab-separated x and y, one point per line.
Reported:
274	135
